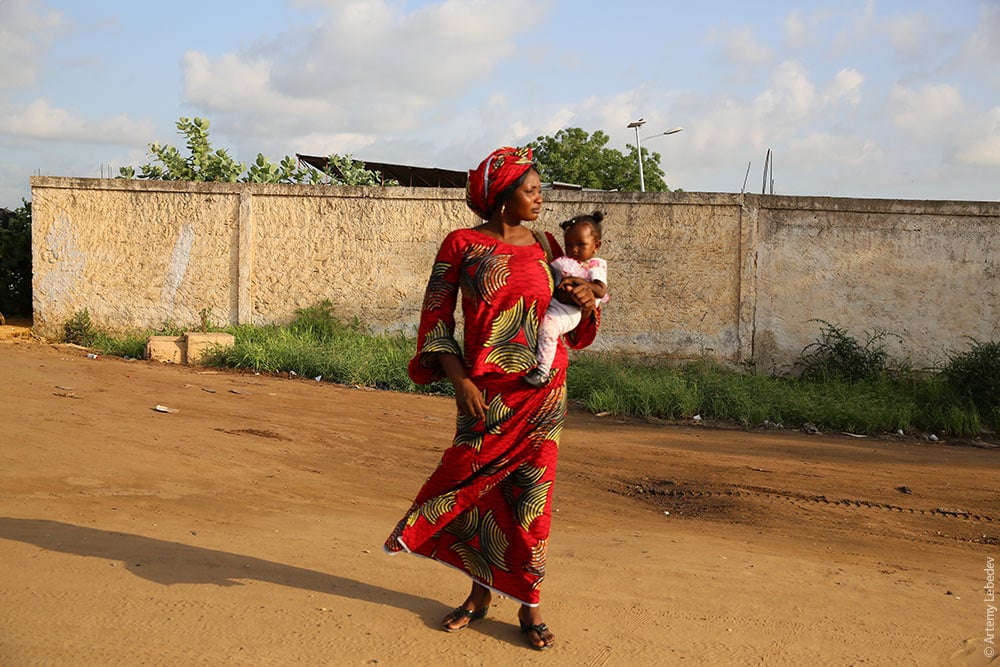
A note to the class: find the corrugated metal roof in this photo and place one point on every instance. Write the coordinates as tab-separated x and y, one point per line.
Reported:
422	177
418	177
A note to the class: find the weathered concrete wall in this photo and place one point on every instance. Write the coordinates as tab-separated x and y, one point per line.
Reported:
736	277
367	250
674	270
922	270
132	255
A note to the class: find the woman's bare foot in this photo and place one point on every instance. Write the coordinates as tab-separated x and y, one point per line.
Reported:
473	609
539	635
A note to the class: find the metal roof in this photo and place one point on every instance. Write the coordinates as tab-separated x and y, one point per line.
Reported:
418	177
421	177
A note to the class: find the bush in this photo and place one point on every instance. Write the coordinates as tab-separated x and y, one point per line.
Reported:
319	322
79	329
839	356
15	260
974	375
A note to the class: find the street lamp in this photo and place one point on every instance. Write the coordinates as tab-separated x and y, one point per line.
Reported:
673	130
636	124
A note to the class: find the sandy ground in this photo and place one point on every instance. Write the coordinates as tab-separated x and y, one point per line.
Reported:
246	529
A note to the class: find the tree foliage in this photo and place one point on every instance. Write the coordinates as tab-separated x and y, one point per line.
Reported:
574	156
15	260
203	163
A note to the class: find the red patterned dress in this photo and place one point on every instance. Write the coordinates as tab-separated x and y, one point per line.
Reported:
486	509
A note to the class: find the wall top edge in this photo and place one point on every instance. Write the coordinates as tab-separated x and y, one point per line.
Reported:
764	202
871	205
214	187
394	192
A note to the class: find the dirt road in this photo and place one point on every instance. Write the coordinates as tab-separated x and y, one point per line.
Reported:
246	528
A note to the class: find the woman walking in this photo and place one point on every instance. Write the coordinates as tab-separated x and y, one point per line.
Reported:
486	509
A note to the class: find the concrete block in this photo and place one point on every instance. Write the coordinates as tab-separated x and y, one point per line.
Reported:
171	349
199	343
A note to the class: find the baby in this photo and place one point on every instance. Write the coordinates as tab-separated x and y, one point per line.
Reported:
582	240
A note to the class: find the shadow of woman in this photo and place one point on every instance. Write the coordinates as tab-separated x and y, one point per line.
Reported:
169	563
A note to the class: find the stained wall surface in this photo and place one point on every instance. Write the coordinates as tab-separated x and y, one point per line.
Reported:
925	273
735	277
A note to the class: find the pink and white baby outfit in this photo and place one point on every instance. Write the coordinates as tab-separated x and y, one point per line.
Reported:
562	317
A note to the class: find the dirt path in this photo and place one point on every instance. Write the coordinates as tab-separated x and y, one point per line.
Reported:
246	529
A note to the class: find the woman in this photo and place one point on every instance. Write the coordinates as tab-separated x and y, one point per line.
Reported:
486	508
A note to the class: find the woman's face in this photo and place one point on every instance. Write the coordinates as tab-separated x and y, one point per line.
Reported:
525	203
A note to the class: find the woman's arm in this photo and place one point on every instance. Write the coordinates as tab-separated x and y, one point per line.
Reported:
435	335
579	292
598	288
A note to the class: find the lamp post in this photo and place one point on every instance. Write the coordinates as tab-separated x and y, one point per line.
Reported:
636	124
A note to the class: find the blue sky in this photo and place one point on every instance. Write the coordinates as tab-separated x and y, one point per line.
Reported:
887	99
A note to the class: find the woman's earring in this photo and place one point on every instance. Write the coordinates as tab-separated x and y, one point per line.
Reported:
503	208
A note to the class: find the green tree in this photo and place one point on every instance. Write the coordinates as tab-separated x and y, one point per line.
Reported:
205	164
15	260
574	156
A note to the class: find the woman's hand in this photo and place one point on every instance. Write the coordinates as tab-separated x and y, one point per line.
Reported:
468	397
580	293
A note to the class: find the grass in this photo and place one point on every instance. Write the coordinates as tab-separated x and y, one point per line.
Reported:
318	344
882	399
720	393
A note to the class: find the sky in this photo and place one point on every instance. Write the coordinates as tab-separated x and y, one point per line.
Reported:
854	98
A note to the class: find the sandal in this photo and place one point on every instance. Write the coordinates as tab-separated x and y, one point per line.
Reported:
459	613
541	630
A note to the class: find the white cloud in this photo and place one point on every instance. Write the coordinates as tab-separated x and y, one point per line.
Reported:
231	84
741	48
561	119
796	32
26	29
792	114
926	112
980	141
984	43
719	131
805	31
367	67
790	98
819	148
319	143
912	37
40	120
982	50
846	87
909	35
611	113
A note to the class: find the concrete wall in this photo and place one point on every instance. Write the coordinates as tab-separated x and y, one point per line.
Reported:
736	277
925	271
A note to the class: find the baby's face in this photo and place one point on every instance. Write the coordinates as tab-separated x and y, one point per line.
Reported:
581	244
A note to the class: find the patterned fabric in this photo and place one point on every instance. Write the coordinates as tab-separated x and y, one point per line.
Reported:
486	508
494	175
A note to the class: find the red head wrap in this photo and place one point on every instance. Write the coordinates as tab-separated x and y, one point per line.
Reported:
494	175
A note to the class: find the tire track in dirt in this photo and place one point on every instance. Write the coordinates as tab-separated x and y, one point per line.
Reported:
701	501
746	490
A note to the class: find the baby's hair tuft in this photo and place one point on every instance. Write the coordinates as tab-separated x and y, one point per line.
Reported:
593	219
